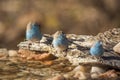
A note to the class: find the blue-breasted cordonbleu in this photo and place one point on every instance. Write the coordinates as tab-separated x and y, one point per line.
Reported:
33	31
97	49
60	42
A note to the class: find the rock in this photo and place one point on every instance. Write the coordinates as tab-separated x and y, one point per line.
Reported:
96	71
33	55
85	69
3	53
45	56
79	72
48	63
109	74
78	49
82	76
14	59
116	48
82	72
58	77
12	53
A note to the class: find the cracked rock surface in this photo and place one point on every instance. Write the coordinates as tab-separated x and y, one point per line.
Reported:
79	45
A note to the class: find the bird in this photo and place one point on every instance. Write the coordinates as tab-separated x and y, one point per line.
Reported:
97	49
60	42
33	32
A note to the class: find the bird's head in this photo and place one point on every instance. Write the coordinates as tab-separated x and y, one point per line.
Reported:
58	34
33	25
98	43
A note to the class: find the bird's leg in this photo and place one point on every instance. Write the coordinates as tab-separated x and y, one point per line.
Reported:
65	52
99	58
95	57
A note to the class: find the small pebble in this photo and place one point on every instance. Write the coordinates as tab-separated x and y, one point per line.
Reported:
96	71
82	72
3	53
116	48
12	53
82	76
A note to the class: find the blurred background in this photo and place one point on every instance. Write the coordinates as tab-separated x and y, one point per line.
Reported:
88	17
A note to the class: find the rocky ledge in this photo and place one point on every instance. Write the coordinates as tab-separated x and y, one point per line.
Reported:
79	45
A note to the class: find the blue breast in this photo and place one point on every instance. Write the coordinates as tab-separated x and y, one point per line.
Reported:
97	50
33	33
60	41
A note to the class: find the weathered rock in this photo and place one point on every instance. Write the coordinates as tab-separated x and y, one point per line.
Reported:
116	48
48	63
3	53
78	49
82	72
79	72
12	53
96	71
109	74
109	38
43	45
33	55
85	69
82	76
